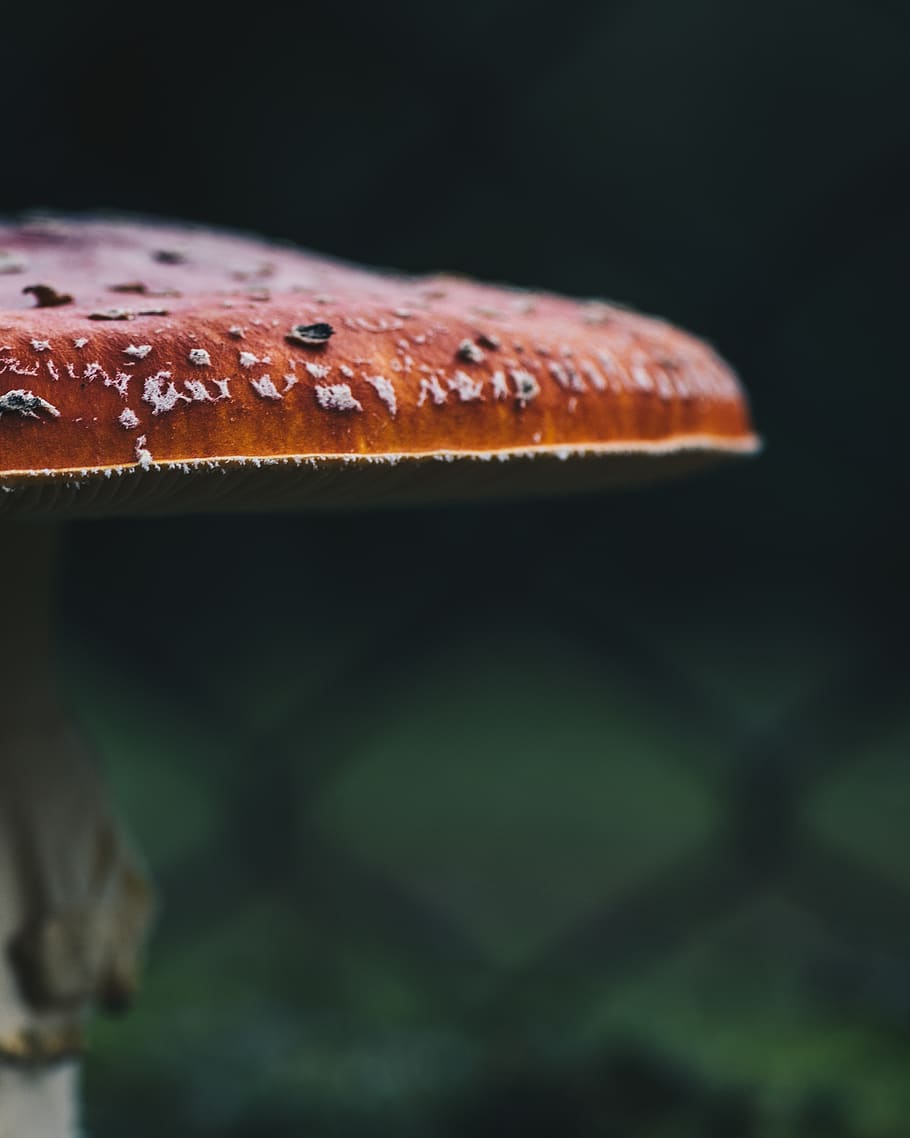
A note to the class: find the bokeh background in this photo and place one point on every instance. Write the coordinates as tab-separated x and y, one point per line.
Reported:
552	818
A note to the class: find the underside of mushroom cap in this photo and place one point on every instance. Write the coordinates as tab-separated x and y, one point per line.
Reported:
165	369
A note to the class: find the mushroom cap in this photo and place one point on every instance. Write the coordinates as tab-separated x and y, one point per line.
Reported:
160	368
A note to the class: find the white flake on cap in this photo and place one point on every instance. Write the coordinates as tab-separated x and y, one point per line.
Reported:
318	371
642	377
385	389
499	385
431	388
120	383
336	397
199	357
468	389
137	351
593	376
12	263
128	419
264	387
14	365
199	393
614	369
41	345
143	455
662	381
526	386
596	312
93	371
566	376
247	359
160	397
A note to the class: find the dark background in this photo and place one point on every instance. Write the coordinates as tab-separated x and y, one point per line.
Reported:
576	818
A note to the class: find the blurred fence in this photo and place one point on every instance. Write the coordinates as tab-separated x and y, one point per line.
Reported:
462	831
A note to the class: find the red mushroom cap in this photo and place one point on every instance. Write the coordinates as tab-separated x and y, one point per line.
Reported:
157	352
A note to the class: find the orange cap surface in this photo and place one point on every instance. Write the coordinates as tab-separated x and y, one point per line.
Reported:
223	372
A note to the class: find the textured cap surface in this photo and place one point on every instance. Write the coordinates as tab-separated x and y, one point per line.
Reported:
158	368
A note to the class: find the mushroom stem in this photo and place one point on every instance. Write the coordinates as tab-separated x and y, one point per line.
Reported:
74	905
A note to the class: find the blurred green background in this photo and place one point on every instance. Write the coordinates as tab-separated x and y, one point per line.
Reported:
565	818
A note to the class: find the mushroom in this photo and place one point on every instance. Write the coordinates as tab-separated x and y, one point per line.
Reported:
249	376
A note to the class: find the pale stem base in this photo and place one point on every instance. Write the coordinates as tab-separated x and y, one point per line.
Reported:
74	905
39	1102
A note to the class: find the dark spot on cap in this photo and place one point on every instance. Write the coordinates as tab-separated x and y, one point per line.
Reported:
26	403
312	335
47	297
469	352
488	340
169	257
112	314
266	269
139	288
130	286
